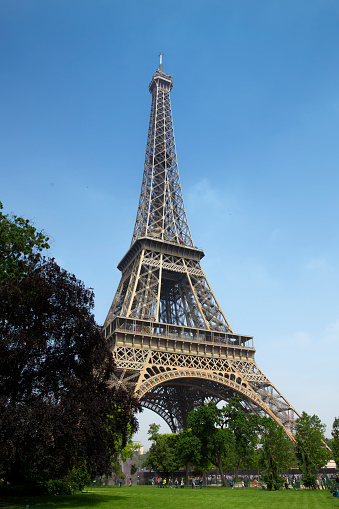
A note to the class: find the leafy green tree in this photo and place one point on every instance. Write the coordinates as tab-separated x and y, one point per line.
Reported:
20	245
335	441
153	432
311	452
245	428
275	455
162	456
210	425
189	452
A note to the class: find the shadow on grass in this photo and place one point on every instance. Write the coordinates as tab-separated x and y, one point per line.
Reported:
80	500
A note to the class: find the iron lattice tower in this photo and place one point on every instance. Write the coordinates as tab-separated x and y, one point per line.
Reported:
171	341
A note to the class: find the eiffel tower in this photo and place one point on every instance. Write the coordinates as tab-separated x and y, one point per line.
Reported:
170	338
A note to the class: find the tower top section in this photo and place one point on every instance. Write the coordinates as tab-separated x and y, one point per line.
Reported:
161	212
160	80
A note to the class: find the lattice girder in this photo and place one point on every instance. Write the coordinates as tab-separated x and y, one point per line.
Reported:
161	212
145	291
229	377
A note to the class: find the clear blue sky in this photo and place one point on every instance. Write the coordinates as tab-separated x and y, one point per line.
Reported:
256	116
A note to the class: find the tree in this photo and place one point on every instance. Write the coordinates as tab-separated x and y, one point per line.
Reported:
311	452
275	454
335	440
209	425
245	427
189	452
57	411
153	432
161	456
20	245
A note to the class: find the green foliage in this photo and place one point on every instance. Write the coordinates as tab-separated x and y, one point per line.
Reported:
60	487
78	476
227	437
134	469
245	427
335	440
162	455
189	451
311	452
275	454
20	245
209	425
153	432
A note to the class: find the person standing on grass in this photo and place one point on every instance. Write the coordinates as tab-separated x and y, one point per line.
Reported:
255	483
120	482
130	481
200	483
182	484
243	484
193	483
176	482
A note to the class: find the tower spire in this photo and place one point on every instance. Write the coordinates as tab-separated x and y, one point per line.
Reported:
160	65
161	211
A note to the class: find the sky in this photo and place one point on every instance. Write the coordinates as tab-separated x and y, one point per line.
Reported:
255	107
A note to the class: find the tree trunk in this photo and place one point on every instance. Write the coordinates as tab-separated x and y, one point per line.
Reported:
223	478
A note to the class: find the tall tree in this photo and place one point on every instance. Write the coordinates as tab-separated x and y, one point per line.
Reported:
162	456
210	425
245	428
275	455
189	453
311	452
335	440
57	410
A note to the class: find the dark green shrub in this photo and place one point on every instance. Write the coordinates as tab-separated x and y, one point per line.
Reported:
60	487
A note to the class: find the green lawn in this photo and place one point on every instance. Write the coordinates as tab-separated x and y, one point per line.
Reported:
146	497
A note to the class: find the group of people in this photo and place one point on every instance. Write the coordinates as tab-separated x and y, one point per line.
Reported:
163	483
321	482
130	482
194	483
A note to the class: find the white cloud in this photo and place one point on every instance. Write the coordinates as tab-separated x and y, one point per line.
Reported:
319	266
202	193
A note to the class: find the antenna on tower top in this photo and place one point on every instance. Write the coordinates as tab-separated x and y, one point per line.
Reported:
160	55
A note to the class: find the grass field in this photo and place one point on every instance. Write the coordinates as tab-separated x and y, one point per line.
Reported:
146	497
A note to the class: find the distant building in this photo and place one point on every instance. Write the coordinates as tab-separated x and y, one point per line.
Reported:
331	464
132	465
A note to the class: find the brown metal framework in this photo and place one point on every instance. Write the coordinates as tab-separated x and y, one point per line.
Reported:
171	341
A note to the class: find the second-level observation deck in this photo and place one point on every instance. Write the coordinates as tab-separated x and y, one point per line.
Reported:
167	247
149	329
